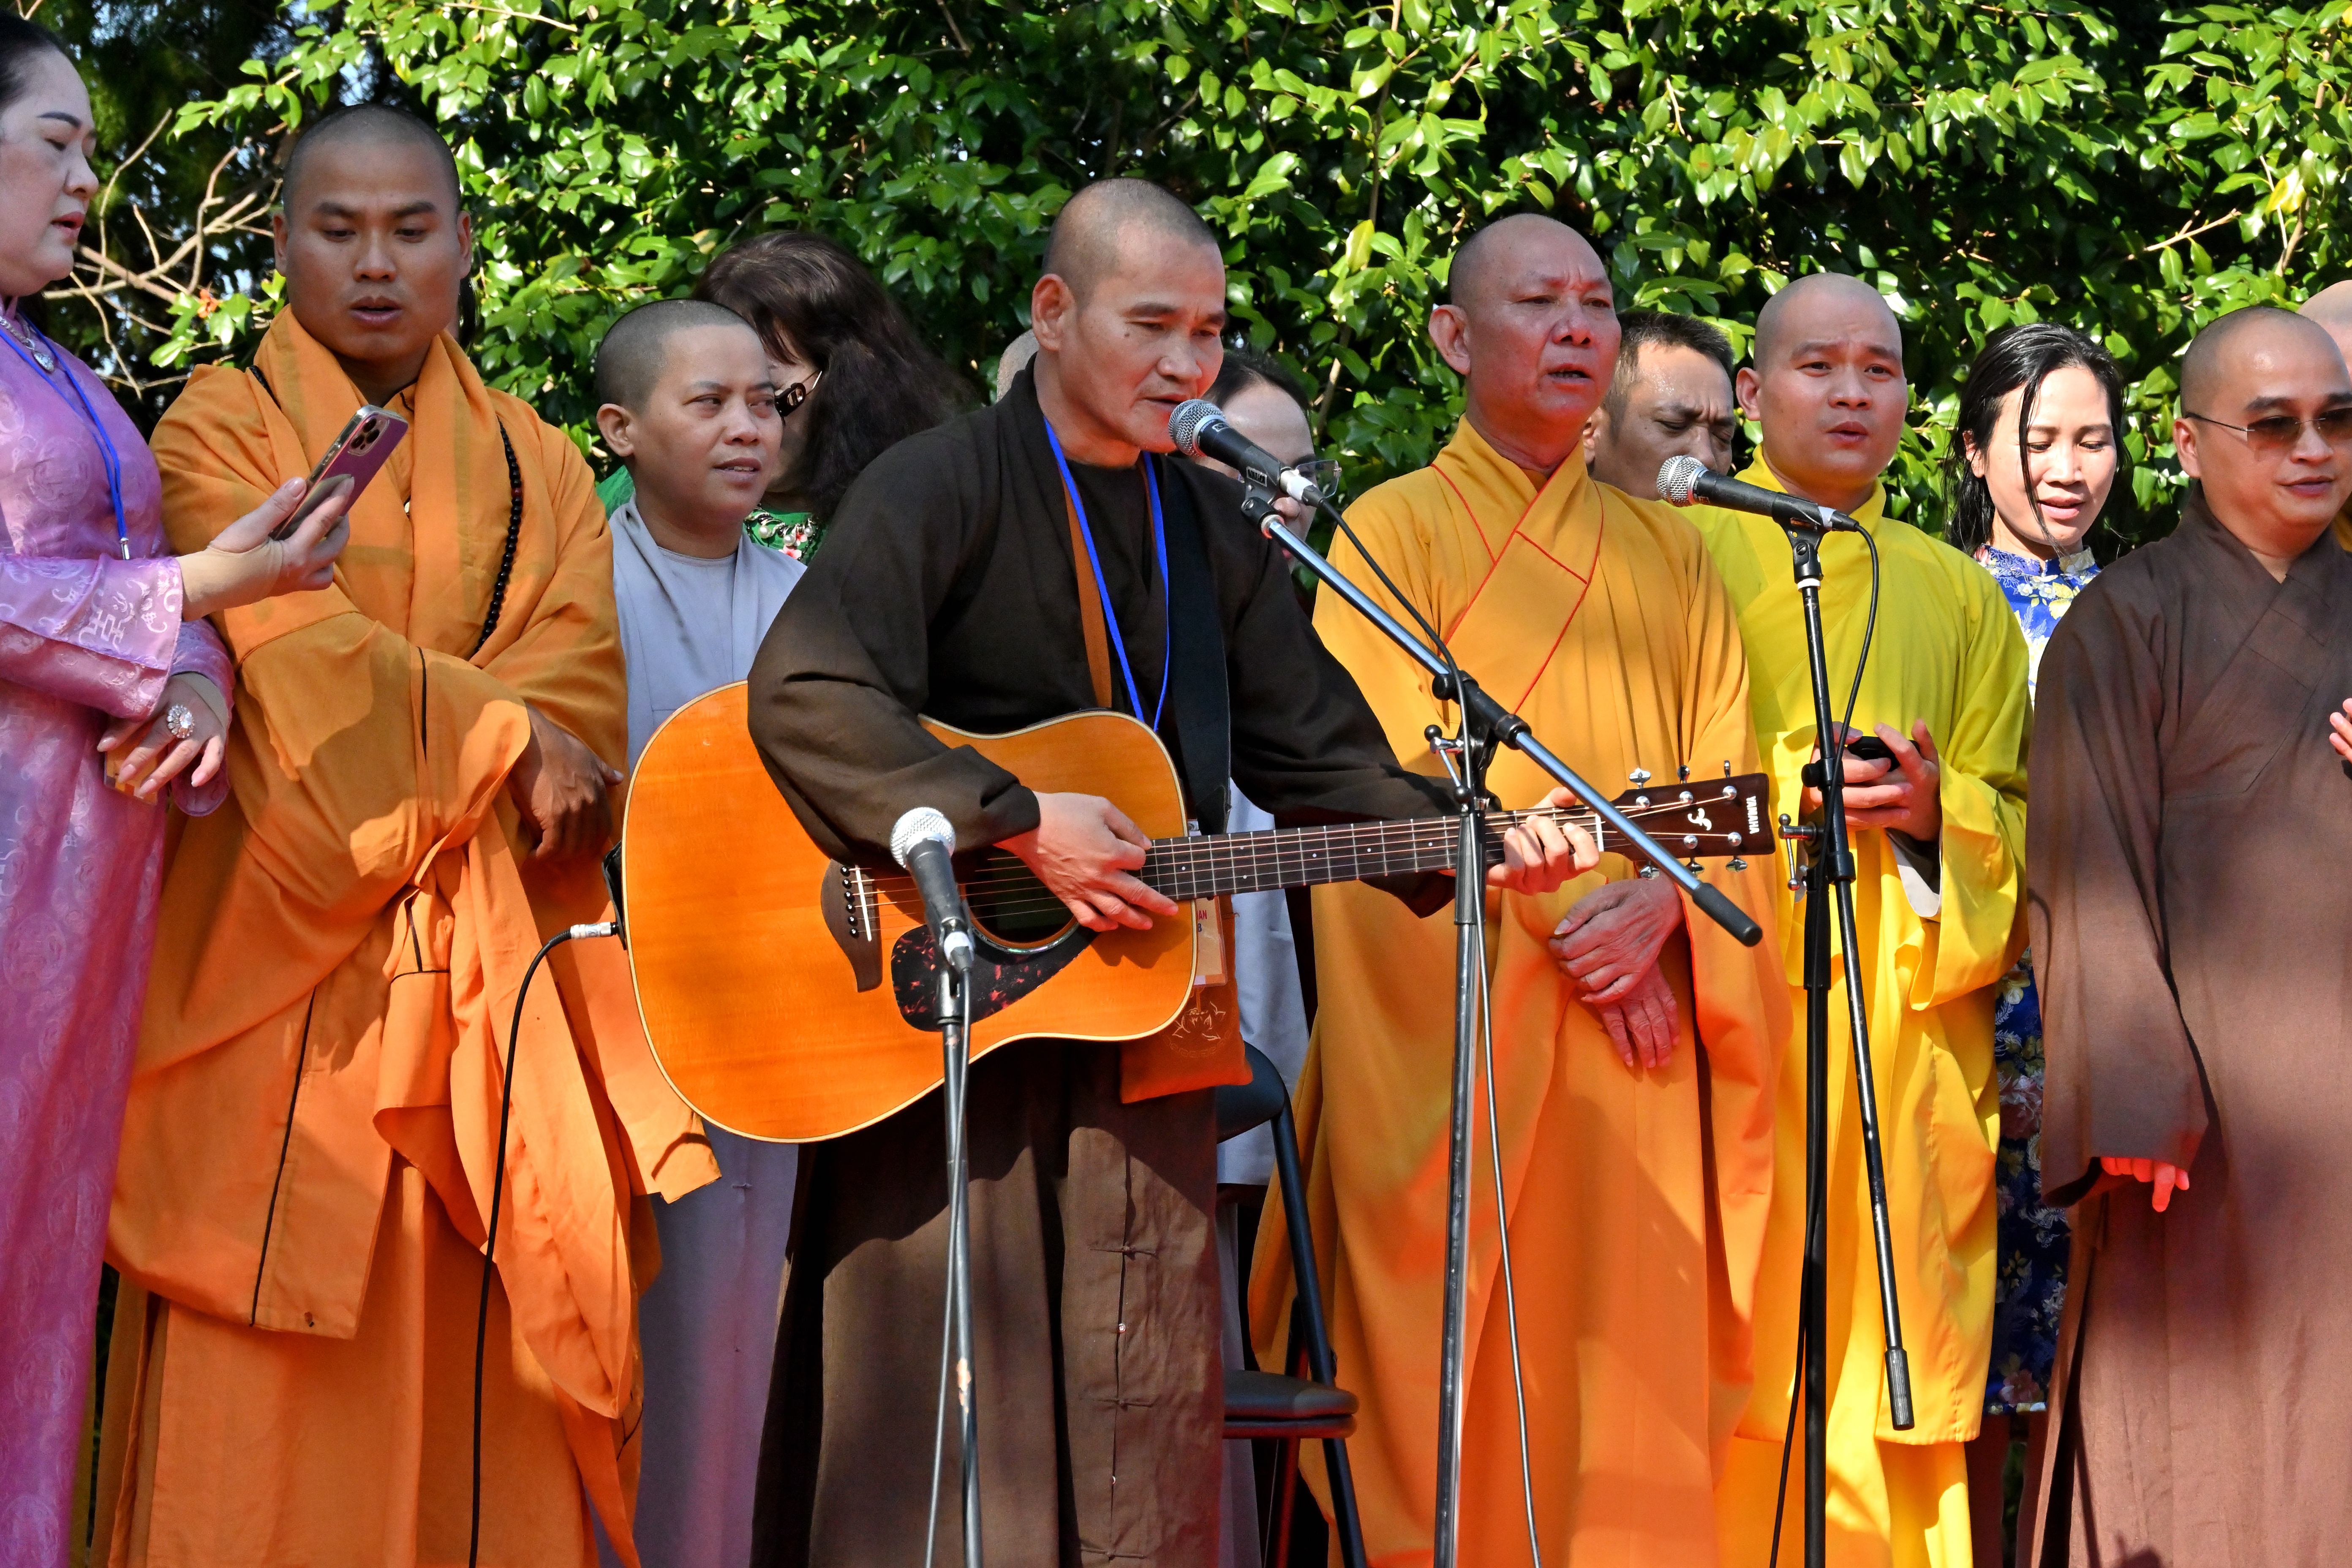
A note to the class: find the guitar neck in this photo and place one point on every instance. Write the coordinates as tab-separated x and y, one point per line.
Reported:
1205	866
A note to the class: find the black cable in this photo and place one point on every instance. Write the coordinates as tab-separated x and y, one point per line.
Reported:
498	1195
1796	1380
1869	629
948	1317
1452	670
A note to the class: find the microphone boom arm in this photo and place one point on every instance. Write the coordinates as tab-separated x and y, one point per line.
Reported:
1499	724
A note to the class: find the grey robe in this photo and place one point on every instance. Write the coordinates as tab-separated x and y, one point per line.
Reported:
707	1323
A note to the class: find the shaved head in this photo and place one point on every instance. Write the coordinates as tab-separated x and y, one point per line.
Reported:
2253	386
1796	308
1826	384
1531	328
369	125
1492	252
2332	308
1096	228
2239	345
630	358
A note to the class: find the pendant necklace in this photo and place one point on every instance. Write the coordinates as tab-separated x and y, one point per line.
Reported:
32	343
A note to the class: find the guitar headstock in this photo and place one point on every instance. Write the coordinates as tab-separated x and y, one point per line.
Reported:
1703	819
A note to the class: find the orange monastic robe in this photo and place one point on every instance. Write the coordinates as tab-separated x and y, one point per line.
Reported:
1637	1199
312	1130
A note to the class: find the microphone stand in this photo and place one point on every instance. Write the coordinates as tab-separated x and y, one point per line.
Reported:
1484	723
1829	871
957	1062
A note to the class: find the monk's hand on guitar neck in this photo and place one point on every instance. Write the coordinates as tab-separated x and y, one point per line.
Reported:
562	791
1539	853
1084	850
1608	946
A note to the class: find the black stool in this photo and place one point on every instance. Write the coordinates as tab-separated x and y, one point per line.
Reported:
1292	1410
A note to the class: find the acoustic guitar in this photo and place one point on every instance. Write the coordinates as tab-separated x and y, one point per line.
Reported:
790	996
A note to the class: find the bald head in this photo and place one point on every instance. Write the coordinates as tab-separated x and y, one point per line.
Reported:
2332	308
1491	258
1531	328
2254	387
375	125
1825	385
1115	220
635	348
1808	306
2233	353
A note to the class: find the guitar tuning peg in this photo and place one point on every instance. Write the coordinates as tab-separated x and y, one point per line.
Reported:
1682	774
1638	777
1727	768
1696	869
1738	864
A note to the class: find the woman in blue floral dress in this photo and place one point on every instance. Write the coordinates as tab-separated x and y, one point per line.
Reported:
2035	455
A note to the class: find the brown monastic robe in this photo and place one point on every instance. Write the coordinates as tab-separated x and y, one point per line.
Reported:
2190	842
947	586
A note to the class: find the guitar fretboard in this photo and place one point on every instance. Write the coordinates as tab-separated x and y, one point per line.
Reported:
1214	864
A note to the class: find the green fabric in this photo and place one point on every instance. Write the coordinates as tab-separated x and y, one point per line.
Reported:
796	533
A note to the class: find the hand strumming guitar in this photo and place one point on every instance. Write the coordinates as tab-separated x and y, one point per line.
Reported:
2339	726
1084	848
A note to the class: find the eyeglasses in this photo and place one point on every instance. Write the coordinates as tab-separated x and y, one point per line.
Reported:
2281	433
1323	473
792	397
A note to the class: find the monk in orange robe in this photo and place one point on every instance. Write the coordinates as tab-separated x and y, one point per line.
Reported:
1635	1043
420	766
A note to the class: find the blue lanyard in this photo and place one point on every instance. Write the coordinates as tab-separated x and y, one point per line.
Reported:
105	443
1110	615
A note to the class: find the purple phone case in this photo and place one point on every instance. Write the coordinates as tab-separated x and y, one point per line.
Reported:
356	456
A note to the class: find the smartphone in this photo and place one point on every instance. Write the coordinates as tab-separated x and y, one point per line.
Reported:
1861	748
366	441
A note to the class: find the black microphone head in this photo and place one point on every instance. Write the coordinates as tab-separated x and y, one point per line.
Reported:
1192	416
1676	478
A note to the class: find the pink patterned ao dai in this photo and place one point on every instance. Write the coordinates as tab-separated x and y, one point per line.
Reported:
84	636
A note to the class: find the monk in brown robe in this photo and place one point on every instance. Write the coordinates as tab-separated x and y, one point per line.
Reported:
2187	843
420	766
957	582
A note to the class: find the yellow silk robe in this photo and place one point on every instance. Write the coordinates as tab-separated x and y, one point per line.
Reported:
1637	1199
1948	651
312	1132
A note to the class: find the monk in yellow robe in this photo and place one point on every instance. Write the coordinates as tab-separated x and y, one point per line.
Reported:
1939	846
1636	1046
420	766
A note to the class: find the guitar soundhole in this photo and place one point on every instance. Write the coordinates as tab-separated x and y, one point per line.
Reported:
1009	902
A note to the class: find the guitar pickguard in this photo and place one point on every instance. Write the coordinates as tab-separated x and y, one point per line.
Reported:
1000	976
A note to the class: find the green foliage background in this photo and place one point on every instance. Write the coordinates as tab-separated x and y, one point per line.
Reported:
2131	169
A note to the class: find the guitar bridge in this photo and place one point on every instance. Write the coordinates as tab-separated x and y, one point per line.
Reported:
853	915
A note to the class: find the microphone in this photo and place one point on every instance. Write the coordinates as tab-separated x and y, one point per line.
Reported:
1686	479
921	842
1200	429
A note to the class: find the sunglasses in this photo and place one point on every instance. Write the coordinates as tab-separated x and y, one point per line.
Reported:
2281	433
791	397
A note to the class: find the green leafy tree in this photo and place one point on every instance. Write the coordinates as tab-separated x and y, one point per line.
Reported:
2130	171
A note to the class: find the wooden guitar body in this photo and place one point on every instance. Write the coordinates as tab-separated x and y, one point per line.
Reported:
776	983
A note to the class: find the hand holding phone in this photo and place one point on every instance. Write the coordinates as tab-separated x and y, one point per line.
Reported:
354	457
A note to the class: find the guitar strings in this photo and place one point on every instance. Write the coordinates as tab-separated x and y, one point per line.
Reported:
1214	859
1277	849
